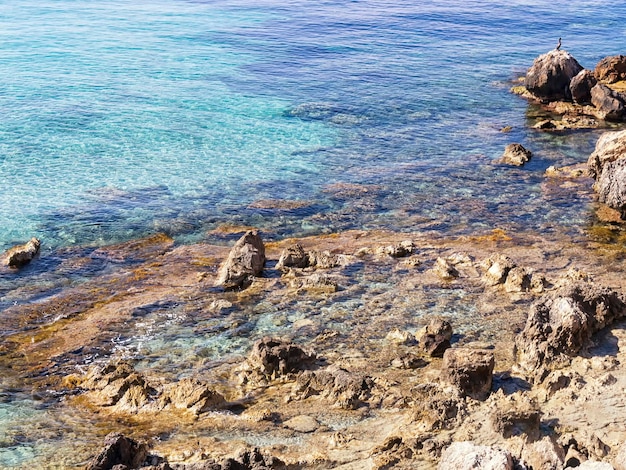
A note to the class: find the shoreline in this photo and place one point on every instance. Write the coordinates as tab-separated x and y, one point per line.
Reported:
170	294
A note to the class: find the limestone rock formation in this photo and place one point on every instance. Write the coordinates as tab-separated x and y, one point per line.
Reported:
436	337
498	268
273	357
20	255
611	186
470	370
469	456
515	154
245	261
611	69
549	77
119	451
561	324
609	147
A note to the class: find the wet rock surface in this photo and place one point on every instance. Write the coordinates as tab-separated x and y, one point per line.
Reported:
20	255
119	452
516	155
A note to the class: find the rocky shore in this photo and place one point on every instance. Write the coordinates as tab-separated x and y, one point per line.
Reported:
352	350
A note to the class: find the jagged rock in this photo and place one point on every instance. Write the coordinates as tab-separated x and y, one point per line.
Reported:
119	450
561	323
515	154
470	370
20	255
323	259
437	408
515	415
293	257
544	454
584	444
346	389
408	361
610	147
592	465
518	280
498	268
469	456
436	337
549	77
619	462
610	105
397	336
581	85
611	186
445	269
252	460
194	395
245	261
273	357
399	250
611	69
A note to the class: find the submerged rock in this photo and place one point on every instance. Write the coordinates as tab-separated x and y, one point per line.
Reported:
549	77
119	451
470	370
515	154
245	261
469	456
21	255
561	324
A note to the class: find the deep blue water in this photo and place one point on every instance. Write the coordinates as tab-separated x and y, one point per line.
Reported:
122	119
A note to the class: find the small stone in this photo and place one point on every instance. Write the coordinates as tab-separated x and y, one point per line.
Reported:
400	337
515	154
302	423
445	270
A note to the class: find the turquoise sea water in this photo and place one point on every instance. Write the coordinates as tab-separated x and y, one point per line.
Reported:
122	119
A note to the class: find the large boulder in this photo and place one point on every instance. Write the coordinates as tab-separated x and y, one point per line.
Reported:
581	85
611	186
549	77
245	261
21	255
609	147
469	456
609	104
611	69
469	370
119	451
561	324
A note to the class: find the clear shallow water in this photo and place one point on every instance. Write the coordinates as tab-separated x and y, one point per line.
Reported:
119	120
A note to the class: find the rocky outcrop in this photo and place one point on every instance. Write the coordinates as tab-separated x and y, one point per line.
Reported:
516	155
497	269
272	358
293	257
609	104
611	69
435	339
344	389
607	164
245	261
469	370
469	456
610	146
550	75
21	255
581	85
562	323
119	451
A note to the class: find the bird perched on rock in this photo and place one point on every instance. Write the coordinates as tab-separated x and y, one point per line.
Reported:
558	46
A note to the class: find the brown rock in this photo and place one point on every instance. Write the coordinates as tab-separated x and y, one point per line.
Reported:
192	394
581	85
544	454
609	147
515	154
611	69
470	370
245	261
293	257
561	323
445	269
498	268
610	104
119	450
21	255
273	357
550	75
518	280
